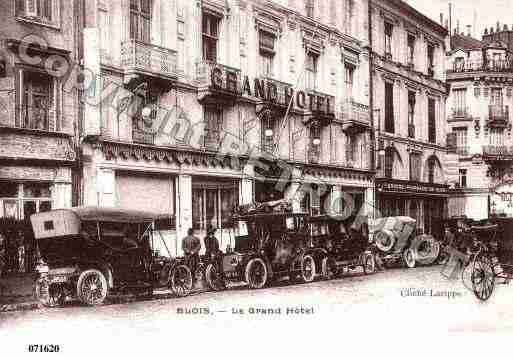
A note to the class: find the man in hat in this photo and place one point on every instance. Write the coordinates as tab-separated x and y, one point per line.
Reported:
212	251
191	247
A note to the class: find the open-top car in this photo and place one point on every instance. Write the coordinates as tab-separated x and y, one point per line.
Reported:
271	242
346	243
89	252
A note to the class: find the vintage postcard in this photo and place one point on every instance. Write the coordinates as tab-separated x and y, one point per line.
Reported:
213	177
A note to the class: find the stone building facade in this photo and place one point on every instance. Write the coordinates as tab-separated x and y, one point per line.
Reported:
38	112
197	106
480	76
409	96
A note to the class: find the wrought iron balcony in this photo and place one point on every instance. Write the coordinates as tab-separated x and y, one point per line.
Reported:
139	59
321	105
498	153
216	82
355	117
481	66
498	116
36	117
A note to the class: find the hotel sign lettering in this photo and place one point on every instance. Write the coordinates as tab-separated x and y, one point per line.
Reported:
411	187
272	91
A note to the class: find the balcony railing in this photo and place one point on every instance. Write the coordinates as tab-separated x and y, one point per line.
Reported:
148	59
498	116
478	66
460	112
217	80
143	136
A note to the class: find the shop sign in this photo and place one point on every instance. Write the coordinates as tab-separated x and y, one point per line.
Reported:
273	91
410	187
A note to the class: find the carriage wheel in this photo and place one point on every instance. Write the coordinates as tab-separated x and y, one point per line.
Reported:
256	273
482	277
181	280
369	264
213	277
307	268
92	287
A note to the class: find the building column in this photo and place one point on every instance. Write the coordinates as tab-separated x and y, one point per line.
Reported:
246	187
369	203
61	195
183	205
106	185
336	200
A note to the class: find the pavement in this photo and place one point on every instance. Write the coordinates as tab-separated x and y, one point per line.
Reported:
17	292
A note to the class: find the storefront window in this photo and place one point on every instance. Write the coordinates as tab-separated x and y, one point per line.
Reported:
20	200
213	204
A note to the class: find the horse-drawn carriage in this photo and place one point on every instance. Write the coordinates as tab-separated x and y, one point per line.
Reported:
89	252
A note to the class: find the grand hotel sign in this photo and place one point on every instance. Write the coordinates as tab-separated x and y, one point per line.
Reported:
269	90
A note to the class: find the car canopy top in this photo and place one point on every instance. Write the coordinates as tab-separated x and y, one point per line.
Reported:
61	222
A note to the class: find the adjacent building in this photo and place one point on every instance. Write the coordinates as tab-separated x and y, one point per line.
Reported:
409	93
197	106
38	112
480	77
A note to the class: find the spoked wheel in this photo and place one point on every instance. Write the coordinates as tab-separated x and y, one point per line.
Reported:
213	277
327	268
92	287
409	258
483	277
181	280
369	264
308	268
50	295
256	273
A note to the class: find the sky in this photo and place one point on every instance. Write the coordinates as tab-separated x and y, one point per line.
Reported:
488	12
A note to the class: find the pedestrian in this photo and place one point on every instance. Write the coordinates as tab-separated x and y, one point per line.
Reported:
21	251
212	251
3	251
191	247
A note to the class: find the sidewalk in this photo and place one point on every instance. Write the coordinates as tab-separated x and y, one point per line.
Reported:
17	292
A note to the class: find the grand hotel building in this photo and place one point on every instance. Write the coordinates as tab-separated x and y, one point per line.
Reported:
197	106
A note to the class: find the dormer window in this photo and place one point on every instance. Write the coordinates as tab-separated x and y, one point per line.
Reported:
140	20
41	11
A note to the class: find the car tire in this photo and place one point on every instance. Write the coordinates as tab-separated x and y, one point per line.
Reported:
327	270
307	268
256	273
92	287
384	240
409	258
369	264
212	276
180	281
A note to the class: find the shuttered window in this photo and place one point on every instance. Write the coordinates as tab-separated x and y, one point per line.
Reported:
415	166
140	20
389	107
431	120
213	124
210	34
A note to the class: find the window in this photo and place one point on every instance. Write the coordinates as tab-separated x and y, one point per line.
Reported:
411	49
311	70
497	136
389	162
142	121
463	177
431	170
213	203
349	80
309	7
140	20
388	39
103	26
431	59
315	144
210	31
43	11
415	166
411	114
389	107
268	125
37	110
461	140
431	120
496	96
351	149
459	63
20	200
349	12
460	102
266	51
213	123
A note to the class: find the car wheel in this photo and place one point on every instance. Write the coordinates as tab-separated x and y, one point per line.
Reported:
92	287
369	264
213	277
327	269
181	280
409	258
307	268
49	295
256	273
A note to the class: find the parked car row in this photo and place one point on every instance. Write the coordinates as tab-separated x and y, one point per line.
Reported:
90	252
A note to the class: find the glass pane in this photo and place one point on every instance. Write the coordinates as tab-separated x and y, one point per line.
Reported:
211	207
228	203
45	206
36	190
213	27
10	209
197	208
29	208
133	26
8	189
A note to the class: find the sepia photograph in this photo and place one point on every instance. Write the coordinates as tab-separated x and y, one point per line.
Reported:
299	178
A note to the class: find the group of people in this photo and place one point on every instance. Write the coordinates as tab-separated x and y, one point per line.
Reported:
17	253
191	246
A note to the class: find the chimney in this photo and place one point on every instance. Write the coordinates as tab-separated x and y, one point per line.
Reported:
468	30
498	27
442	18
486	31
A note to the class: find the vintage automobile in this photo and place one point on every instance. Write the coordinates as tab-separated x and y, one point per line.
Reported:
346	244
397	240
89	252
271	242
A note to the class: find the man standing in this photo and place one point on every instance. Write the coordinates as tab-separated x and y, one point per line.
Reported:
3	244
191	246
213	253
